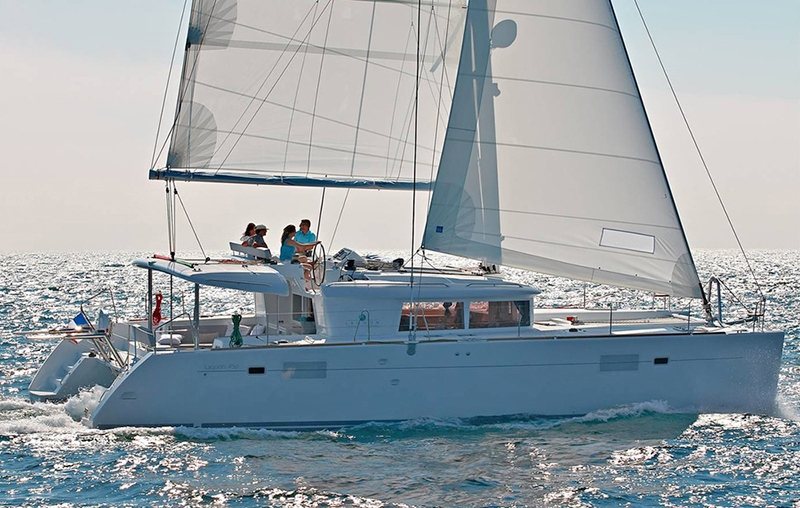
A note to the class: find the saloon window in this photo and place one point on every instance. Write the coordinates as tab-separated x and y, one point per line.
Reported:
499	314
432	316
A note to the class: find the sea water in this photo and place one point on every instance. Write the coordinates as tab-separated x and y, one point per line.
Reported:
638	455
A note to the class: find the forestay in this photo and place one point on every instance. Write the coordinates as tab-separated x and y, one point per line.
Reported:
304	90
549	163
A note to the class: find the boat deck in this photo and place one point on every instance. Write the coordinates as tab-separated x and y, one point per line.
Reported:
548	324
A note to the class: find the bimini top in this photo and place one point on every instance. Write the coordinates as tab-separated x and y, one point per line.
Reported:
239	275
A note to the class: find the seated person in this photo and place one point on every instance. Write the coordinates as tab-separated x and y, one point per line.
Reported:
249	231
257	240
289	246
305	235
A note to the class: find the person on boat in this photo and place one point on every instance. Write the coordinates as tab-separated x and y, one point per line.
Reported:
249	231
305	235
289	247
257	240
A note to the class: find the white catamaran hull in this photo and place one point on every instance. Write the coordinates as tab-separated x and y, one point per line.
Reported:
319	386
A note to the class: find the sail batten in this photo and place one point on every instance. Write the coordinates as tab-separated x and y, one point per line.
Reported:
549	163
568	85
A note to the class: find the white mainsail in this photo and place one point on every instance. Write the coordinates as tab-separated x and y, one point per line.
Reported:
307	88
549	163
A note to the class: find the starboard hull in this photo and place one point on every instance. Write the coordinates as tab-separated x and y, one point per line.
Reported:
335	385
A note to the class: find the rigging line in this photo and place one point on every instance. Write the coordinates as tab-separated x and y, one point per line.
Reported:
548	17
431	83
363	90
166	86
358	120
169	219
408	124
331	148
293	109
699	152
428	261
186	80
189	220
339	219
446	44
404	140
171	231
164	144
182	88
400	151
286	67
174	222
343	52
439	97
396	101
733	295
412	329
321	206
316	94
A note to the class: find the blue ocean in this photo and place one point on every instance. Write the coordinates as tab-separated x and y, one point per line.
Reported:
639	455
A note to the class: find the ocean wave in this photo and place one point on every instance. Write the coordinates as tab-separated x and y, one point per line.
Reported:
19	416
787	408
625	411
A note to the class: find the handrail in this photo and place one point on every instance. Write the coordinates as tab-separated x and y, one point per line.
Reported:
142	329
169	321
87	300
754	315
106	348
137	329
361	317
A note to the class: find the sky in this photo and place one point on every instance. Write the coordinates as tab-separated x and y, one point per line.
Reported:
82	83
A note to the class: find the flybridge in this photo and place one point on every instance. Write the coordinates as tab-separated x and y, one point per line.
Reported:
198	175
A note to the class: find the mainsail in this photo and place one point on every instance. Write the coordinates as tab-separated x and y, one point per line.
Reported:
314	92
549	163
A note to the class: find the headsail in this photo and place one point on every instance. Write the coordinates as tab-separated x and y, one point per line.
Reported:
549	163
314	89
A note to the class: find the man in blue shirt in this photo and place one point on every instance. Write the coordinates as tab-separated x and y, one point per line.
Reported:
305	235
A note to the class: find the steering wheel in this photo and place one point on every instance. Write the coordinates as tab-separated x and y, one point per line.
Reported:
319	264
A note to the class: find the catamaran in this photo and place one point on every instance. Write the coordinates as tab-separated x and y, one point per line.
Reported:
528	118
